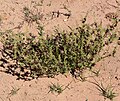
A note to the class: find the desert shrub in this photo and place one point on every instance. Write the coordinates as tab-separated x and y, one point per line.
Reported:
36	56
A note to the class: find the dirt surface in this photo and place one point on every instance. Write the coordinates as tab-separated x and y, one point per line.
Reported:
70	14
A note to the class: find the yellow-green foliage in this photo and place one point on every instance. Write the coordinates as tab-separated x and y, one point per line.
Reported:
62	52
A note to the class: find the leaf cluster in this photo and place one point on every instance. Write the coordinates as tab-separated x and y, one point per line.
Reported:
63	52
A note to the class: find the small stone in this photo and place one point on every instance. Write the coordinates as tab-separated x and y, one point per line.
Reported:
118	42
65	20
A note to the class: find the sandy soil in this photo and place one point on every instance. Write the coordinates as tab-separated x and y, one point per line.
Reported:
12	16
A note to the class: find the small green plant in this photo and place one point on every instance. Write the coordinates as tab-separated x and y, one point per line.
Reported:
55	88
13	91
31	16
106	92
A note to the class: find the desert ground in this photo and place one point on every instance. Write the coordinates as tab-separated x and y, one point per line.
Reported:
71	14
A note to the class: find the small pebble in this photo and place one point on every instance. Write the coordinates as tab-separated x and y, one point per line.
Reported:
65	20
118	42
